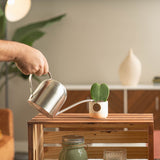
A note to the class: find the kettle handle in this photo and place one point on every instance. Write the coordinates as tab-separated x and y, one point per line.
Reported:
31	85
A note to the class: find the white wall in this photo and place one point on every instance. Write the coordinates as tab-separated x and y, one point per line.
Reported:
89	44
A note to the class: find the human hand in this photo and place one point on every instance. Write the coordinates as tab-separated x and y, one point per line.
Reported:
31	61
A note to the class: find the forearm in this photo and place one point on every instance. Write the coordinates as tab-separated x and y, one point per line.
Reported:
28	59
8	50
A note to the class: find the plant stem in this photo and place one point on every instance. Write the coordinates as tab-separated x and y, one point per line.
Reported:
3	84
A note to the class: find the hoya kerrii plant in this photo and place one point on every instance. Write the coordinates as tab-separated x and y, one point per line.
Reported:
99	92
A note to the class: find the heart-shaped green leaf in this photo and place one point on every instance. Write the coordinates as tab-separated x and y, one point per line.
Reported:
99	92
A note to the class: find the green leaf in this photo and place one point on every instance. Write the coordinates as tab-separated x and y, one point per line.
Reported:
27	34
24	31
1	12
31	37
104	92
99	92
95	91
13	70
3	4
2	25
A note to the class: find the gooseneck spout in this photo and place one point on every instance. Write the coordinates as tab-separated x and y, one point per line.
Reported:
74	105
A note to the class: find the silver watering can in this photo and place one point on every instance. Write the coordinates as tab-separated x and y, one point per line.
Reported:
49	97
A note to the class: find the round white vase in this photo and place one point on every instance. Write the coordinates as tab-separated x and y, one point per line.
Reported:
130	70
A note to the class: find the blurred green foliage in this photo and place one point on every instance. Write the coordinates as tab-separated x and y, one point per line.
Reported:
27	34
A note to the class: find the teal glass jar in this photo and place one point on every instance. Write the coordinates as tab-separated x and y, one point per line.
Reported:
73	148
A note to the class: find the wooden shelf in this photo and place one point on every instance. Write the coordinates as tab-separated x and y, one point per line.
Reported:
45	134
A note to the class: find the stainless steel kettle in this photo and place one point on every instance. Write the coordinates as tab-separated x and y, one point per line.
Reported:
49	97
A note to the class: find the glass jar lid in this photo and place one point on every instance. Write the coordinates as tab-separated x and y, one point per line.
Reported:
72	139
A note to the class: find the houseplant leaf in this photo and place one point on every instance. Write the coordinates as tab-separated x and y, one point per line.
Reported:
24	31
104	92
31	37
99	92
1	12
2	24
28	35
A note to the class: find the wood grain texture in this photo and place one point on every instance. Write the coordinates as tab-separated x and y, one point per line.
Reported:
95	131
97	152
94	126
144	101
115	101
150	142
84	118
100	136
30	142
139	101
157	120
39	141
35	141
74	96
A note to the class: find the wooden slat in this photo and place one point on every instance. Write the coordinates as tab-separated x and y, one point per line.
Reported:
150	146
111	114
90	120
95	126
97	152
99	136
86	115
30	142
38	152
84	118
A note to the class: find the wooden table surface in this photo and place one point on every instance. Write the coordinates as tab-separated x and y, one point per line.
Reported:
42	138
84	118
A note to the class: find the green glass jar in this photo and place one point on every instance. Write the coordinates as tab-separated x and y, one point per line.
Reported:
73	148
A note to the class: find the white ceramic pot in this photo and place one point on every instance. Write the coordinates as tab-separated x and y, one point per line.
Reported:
130	70
98	109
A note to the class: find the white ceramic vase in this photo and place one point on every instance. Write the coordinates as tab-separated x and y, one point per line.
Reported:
130	70
98	109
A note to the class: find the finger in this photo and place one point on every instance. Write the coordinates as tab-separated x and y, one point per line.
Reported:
39	73
22	69
25	72
46	67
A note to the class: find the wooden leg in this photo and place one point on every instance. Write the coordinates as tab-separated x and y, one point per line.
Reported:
150	142
39	140
35	142
30	142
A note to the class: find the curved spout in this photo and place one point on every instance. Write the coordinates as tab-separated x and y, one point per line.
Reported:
73	105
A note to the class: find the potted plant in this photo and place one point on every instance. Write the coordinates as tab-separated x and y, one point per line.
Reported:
99	107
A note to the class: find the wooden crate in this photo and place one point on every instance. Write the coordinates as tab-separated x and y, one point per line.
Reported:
45	134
